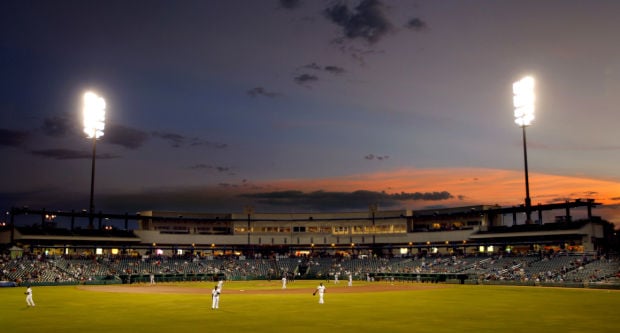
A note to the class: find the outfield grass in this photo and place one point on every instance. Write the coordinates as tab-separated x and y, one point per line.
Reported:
451	308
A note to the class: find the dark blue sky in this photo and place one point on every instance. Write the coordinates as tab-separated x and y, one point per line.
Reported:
214	105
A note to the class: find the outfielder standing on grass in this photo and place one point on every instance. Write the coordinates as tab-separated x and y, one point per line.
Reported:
28	293
215	298
321	290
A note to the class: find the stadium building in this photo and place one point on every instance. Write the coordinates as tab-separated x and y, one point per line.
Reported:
462	230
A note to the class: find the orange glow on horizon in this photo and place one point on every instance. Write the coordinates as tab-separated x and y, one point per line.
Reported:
471	186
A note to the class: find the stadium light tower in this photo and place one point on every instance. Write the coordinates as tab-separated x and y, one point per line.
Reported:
94	124
524	101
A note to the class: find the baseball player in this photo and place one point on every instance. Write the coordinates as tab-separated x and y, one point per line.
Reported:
284	282
215	298
321	290
28	293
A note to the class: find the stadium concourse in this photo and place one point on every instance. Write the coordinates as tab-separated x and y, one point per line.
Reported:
473	244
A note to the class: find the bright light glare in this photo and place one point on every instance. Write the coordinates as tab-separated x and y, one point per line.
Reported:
94	115
523	100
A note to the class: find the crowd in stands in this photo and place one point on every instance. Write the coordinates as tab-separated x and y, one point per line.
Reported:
550	268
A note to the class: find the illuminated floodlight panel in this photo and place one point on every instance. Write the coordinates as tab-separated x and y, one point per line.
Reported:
94	115
524	100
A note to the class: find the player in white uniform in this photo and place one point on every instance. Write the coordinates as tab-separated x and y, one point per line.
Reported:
321	290
28	293
215	298
350	280
284	282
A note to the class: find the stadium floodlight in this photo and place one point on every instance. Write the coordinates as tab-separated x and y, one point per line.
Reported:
94	123
94	115
523	100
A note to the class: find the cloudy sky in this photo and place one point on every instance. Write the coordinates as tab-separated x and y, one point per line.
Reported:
304	106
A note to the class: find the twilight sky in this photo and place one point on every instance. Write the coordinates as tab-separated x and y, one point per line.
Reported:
303	106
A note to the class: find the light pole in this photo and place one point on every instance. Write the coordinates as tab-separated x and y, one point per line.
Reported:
373	211
94	123
249	210
524	100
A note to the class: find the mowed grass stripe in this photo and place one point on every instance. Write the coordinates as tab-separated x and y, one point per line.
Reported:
449	308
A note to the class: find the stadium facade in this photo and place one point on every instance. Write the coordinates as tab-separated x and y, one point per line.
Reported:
461	230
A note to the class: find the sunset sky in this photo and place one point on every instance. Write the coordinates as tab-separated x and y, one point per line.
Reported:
303	106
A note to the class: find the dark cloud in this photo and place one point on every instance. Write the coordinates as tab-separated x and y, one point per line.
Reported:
127	137
329	68
329	201
260	91
175	140
306	78
366	21
58	127
12	138
290	4
371	157
314	66
200	142
416	24
68	154
334	69
225	197
202	166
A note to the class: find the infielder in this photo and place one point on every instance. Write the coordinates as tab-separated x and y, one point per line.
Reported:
215	298
321	290
28	293
284	282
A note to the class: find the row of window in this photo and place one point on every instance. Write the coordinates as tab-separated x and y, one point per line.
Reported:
320	229
335	230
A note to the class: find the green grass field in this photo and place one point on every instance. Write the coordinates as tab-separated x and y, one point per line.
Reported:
450	308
